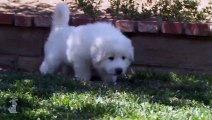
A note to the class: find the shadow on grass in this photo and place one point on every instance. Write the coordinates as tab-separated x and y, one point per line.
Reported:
160	87
171	90
41	86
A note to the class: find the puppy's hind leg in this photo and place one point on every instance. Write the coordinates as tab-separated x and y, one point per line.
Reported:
82	70
49	65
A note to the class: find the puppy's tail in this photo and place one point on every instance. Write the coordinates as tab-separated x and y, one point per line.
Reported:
61	15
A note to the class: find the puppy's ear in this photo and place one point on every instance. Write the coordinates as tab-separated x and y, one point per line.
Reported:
97	53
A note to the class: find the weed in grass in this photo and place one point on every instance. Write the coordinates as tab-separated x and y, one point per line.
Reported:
90	7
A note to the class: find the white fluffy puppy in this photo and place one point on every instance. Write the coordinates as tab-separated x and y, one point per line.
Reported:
100	46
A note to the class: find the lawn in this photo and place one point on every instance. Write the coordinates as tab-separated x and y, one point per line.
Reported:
142	96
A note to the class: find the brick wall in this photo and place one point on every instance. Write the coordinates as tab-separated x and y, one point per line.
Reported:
164	46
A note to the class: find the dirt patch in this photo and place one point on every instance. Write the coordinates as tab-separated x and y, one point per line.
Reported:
26	8
39	7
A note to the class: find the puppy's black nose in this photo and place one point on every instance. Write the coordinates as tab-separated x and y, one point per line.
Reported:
118	71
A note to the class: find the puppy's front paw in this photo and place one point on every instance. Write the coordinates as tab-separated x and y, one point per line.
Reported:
43	69
110	80
80	79
114	83
82	73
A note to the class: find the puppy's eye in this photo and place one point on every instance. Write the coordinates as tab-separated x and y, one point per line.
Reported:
111	58
123	57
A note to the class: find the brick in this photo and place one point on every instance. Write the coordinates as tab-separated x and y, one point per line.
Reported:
23	20
148	26
106	20
197	29
29	63
125	25
191	29
42	21
6	19
172	27
22	41
210	27
76	21
8	60
166	51
204	29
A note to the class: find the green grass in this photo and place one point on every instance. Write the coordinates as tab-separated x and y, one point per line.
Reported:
141	96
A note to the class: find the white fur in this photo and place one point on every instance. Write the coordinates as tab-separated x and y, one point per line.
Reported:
85	47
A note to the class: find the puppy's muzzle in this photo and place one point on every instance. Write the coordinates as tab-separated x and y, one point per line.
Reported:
118	71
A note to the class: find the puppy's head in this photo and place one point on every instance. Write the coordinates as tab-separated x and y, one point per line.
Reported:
113	57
